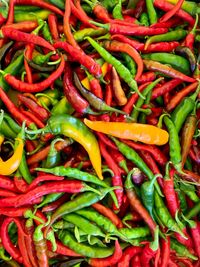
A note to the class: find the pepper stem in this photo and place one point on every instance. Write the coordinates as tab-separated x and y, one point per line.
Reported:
105	26
128	183
154	245
30	215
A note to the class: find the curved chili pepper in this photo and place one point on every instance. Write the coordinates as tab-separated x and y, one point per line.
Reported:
128	253
172	12
62	249
109	260
38	87
190	38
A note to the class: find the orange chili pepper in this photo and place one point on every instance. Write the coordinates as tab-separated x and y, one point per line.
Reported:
144	133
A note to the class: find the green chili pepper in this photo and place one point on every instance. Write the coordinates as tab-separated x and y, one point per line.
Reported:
23	16
151	12
48	97
136	232
166	37
124	73
109	4
63	225
147	194
117	10
79	202
84	249
58	3
62	107
174	144
130	63
165	216
195	210
144	19
3	50
184	109
140	102
181	250
177	62
84	224
81	34
46	33
6	131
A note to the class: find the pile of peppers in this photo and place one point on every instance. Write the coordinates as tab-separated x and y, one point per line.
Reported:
99	133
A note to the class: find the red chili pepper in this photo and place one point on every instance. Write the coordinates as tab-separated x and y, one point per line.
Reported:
108	213
79	56
71	93
116	179
8	245
38	110
108	96
106	140
33	118
28	55
20	184
66	25
149	76
172	12
101	13
11	10
186	262
176	99
170	194
56	204
166	87
2	19
166	6
13	110
195	234
190	38
165	251
24	26
133	98
7	183
16	35
62	249
13	212
53	26
134	43
7	193
156	66
96	87
136	261
128	253
78	12
140	7
116	46
43	178
168	24
158	155
109	261
119	159
38	87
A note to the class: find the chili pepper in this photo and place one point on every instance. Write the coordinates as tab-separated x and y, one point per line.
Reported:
177	62
54	205
134	43
150	250
137	232
193	211
20	183
126	48
165	6
188	54
152	15
38	87
172	12
190	38
170	36
136	203
184	109
171	72
129	63
83	224
81	34
53	157
14	34
108	261
41	112
108	213
7	193
128	253
77	203
165	249
84	249
117	129
121	69
80	56
139	9
166	87
190	7
115	28
144	19
8	245
94	101
140	102
147	195
165	216
187	135
175	149
7	183
52	21
181	249
95	86
40	246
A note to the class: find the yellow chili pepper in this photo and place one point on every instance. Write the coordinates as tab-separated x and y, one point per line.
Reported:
144	133
85	82
11	165
1	139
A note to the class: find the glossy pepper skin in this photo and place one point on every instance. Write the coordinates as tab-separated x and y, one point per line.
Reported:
74	128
